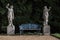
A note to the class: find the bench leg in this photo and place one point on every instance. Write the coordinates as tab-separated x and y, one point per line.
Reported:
21	31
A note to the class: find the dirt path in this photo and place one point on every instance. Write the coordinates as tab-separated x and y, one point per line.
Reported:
30	37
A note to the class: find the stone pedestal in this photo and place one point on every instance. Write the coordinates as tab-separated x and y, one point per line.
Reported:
11	29
46	30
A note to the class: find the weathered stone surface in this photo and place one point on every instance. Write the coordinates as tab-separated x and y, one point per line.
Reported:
11	29
46	27
46	30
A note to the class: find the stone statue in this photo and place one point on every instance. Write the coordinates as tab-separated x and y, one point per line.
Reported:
10	13
46	15
46	27
11	27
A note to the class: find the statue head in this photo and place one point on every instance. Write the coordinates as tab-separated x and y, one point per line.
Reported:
11	6
45	7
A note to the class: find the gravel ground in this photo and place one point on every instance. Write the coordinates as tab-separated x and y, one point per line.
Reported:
28	37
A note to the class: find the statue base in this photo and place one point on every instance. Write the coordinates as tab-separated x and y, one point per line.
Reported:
10	29
46	30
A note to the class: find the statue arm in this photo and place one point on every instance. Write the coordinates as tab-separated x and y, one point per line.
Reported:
7	6
49	8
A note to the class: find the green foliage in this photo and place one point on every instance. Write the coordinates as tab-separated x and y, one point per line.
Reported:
31	11
56	35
